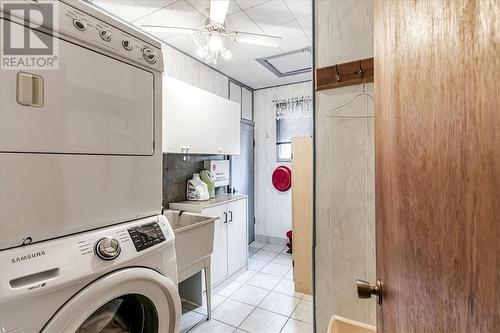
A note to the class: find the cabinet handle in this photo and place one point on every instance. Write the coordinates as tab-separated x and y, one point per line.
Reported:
225	217
230	216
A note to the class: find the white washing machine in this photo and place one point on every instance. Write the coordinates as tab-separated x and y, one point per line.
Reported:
112	280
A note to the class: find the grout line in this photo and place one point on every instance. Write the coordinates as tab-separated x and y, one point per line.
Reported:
226	298
297	21
154	11
235	328
189	329
196	9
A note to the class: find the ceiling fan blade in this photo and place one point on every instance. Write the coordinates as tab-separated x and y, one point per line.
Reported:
256	39
161	28
218	10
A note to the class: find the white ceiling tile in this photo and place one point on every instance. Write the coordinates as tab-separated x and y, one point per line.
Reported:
241	22
245	4
233	8
293	37
293	44
127	10
306	25
300	8
155	4
178	14
270	14
287	30
202	6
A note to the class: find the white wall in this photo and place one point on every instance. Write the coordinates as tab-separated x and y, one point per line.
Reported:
345	208
180	66
273	209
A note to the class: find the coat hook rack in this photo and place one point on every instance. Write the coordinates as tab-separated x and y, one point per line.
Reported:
361	72
345	74
337	76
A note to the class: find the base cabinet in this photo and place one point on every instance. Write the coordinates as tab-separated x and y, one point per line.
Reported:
230	252
218	267
237	239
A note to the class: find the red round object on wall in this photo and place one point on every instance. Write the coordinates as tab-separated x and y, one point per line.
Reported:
282	178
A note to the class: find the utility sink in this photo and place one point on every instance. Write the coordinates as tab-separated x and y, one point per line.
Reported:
194	240
343	325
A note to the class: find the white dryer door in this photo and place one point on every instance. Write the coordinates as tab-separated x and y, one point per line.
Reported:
93	104
134	300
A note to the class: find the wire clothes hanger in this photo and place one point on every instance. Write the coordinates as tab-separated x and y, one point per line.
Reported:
330	114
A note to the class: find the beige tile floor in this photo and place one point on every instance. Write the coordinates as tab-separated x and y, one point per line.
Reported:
260	300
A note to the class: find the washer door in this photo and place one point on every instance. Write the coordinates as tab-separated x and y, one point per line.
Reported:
132	300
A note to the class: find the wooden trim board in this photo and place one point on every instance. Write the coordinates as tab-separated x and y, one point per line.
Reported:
302	212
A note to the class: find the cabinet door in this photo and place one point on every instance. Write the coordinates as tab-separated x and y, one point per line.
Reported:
234	92
246	104
188	118
237	241
218	267
228	129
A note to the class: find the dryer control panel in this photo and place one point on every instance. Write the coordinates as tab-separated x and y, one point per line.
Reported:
89	29
87	25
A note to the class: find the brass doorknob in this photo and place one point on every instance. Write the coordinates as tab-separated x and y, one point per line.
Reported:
366	290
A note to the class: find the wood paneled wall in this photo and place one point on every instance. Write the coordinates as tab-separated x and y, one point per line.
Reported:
345	217
273	209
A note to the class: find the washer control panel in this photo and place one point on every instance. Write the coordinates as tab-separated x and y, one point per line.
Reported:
80	25
35	269
146	235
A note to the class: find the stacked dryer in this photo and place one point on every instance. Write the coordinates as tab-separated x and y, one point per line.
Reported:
80	161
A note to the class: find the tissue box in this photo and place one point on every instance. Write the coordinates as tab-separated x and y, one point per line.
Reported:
219	170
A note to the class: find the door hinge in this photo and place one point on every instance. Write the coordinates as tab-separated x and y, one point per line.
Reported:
254	220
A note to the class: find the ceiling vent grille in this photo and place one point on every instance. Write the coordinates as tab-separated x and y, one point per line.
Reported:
289	63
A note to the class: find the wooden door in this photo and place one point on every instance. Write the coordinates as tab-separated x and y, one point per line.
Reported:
302	212
237	239
437	86
218	269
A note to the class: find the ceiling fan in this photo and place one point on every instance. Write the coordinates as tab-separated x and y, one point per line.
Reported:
213	39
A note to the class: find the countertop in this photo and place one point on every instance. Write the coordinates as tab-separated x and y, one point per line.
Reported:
219	199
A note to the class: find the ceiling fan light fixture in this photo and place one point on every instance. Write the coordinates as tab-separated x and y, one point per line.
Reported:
210	46
214	43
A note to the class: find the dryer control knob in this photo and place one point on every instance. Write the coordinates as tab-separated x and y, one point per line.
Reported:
149	55
107	248
105	35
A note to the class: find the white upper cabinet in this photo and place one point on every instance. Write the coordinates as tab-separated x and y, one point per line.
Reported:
196	121
228	132
246	104
234	92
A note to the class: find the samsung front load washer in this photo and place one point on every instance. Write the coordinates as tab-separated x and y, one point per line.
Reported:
112	280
